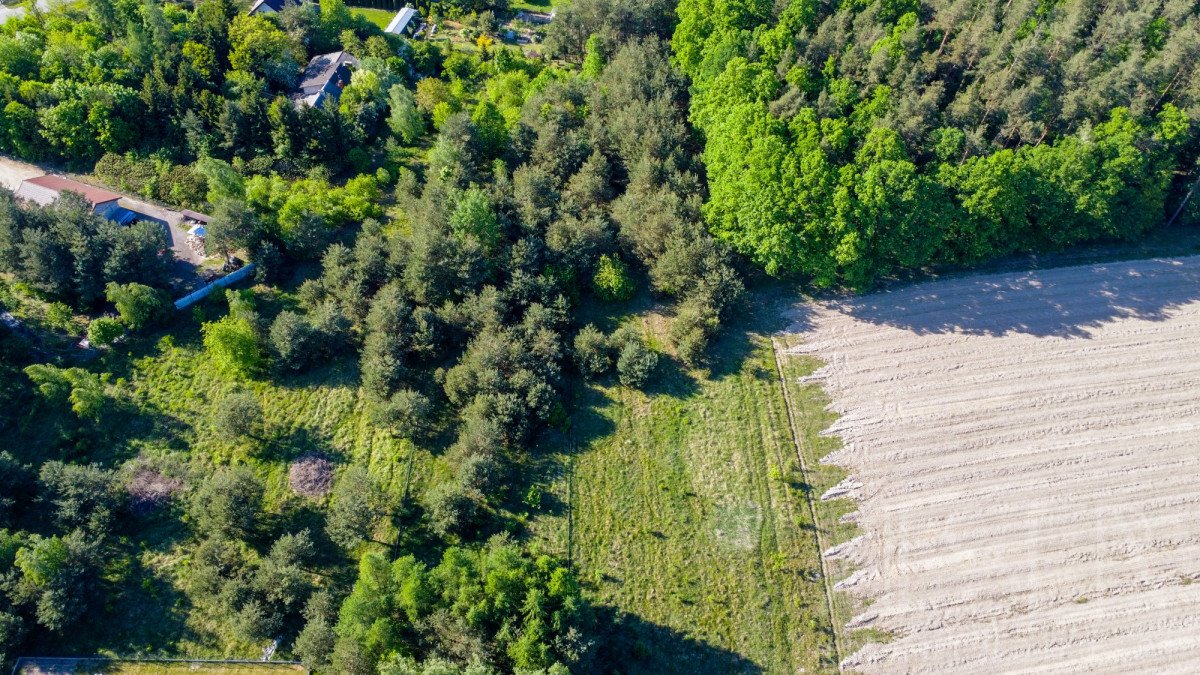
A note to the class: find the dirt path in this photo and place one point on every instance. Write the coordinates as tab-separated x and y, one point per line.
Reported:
1024	450
13	173
808	498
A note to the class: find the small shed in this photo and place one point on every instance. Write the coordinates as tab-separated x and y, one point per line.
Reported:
404	23
195	217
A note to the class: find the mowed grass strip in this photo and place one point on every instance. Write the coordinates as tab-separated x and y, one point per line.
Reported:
811	416
690	521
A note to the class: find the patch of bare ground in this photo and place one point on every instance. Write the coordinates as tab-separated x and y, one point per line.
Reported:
311	476
1024	453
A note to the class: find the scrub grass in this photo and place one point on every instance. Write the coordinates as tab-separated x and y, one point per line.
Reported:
685	510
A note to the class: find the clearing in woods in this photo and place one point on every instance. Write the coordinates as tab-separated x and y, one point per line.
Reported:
1023	452
690	520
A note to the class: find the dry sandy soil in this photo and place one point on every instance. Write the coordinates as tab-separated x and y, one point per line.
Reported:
1025	456
12	173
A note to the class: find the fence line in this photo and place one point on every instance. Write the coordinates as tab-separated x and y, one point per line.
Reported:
228	279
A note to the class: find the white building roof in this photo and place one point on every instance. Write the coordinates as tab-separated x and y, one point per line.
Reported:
400	21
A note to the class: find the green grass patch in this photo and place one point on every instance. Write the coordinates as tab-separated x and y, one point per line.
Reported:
811	416
689	514
379	17
544	6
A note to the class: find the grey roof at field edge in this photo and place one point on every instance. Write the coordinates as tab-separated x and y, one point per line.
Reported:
403	22
269	6
326	75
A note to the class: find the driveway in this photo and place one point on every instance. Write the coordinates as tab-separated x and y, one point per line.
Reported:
13	172
10	11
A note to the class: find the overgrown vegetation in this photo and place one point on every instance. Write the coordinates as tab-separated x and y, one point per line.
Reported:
480	410
321	458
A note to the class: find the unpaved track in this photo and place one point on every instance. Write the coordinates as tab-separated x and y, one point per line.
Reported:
1025	453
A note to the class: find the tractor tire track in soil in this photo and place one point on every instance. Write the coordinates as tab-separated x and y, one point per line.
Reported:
1024	450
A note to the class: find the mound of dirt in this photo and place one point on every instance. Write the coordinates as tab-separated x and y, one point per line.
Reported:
311	476
148	489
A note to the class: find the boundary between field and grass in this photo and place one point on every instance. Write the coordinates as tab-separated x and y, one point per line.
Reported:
812	509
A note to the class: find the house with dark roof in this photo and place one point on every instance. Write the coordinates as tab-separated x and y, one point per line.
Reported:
324	78
46	190
406	22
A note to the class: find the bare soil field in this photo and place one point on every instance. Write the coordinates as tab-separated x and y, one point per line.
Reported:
1025	456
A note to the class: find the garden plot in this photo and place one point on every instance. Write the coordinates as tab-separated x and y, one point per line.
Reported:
1025	456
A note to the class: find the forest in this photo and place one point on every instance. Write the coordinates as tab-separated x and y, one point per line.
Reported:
439	235
849	141
452	254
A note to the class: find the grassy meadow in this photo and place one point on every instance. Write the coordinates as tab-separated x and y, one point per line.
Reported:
685	510
684	506
379	17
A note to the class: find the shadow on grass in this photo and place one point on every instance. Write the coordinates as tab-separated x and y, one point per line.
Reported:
630	644
670	379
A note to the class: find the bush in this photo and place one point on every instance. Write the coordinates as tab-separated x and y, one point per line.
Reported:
694	325
481	473
292	341
228	503
636	361
311	476
239	415
60	317
408	413
233	346
452	511
612	281
592	353
139	305
357	507
104	331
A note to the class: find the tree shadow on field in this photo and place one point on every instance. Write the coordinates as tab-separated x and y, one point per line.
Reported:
1064	302
629	644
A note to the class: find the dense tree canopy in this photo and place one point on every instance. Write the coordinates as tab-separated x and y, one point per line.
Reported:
847	141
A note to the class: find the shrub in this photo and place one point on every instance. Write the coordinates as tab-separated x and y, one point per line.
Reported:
239	415
149	489
592	354
292	341
636	361
104	331
694	325
357	507
60	317
311	476
452	511
228	503
233	346
408	413
139	305
612	281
